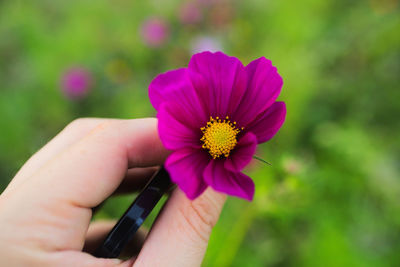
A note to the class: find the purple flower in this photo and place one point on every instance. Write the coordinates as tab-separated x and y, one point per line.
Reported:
76	83
212	115
154	32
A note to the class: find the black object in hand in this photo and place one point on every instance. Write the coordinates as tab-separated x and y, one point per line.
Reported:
134	217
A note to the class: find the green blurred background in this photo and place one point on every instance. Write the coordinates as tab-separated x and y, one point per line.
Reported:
331	196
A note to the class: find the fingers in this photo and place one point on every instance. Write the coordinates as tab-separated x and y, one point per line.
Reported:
90	170
181	232
58	197
75	131
98	231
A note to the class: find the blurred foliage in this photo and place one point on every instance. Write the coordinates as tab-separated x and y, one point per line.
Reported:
331	196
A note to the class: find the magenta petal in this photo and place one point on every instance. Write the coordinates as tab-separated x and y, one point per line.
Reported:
176	86
263	88
186	167
242	154
231	183
267	124
174	133
226	79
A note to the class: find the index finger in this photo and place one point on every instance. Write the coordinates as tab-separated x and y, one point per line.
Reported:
90	170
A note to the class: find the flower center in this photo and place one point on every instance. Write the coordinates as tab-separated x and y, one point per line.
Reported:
219	136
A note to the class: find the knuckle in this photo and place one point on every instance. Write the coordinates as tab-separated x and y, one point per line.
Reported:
94	129
109	134
77	125
105	126
86	124
104	129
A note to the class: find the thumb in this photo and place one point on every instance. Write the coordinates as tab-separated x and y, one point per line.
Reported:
181	233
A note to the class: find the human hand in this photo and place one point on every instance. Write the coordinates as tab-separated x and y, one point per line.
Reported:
45	211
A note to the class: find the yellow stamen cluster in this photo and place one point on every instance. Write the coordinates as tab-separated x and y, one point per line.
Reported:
219	136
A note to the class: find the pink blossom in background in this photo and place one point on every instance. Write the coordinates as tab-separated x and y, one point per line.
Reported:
292	165
212	115
155	32
205	43
190	13
221	14
76	83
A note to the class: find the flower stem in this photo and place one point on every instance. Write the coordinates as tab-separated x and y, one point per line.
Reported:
260	159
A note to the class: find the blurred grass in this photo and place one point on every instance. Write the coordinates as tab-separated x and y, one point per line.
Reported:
331	196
